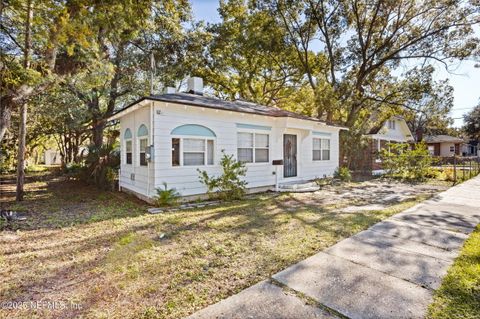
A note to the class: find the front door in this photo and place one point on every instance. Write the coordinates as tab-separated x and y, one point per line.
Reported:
289	155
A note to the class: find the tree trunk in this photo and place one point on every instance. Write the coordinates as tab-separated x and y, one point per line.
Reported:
5	113
97	134
23	109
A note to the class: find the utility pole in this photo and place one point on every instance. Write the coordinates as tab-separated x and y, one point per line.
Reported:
152	71
24	107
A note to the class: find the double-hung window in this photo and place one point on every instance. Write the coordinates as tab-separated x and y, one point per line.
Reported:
127	136
128	151
391	124
192	151
142	144
253	147
321	149
143	149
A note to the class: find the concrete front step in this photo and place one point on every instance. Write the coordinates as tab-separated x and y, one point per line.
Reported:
298	187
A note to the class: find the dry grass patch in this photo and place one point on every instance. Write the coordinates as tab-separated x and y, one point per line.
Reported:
114	261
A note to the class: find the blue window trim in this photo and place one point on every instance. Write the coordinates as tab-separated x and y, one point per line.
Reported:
322	134
128	134
254	127
193	130
142	131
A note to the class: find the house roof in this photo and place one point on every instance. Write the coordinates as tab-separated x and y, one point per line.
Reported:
379	126
442	139
218	104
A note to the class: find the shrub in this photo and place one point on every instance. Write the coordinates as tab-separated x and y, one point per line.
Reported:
101	166
343	174
166	196
229	185
401	161
449	174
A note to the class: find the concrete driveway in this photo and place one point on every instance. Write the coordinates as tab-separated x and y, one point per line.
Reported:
387	271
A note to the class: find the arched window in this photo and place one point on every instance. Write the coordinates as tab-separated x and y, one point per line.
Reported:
192	145
143	144
127	136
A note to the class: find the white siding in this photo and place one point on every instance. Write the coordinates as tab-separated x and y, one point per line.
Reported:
143	181
445	149
168	116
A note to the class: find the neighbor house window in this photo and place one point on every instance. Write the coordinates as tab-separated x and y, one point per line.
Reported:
127	136
143	144
252	147
192	151
321	149
391	124
452	149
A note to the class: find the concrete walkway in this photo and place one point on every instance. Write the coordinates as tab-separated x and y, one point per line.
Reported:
387	271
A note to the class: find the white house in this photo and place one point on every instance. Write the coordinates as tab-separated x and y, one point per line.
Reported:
188	131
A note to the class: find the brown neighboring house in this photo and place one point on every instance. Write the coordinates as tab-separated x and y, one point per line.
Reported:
443	145
394	130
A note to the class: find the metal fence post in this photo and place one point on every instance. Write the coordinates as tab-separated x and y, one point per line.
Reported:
454	169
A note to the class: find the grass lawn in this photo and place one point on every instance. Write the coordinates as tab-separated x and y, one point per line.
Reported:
101	251
459	294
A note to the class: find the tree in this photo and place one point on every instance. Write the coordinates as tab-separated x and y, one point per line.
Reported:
428	103
246	56
362	43
23	107
472	123
115	68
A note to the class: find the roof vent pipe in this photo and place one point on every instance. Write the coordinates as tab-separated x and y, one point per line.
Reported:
169	90
195	85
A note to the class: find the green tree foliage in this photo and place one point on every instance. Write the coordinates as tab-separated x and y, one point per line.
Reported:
472	123
364	45
247	57
402	161
427	102
229	185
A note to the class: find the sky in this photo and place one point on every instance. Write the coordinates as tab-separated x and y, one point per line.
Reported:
464	77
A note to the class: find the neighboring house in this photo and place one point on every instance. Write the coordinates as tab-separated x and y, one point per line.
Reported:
394	130
52	157
167	138
444	145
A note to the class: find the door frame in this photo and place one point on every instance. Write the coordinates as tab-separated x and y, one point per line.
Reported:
296	154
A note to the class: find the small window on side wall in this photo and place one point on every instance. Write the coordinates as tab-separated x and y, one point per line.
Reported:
127	136
143	149
128	152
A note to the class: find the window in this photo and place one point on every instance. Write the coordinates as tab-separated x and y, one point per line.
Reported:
210	152
175	152
452	149
127	136
261	148
128	151
431	149
252	147
143	149
143	144
391	124
192	151
321	149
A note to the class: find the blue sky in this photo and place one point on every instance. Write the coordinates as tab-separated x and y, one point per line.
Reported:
464	77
